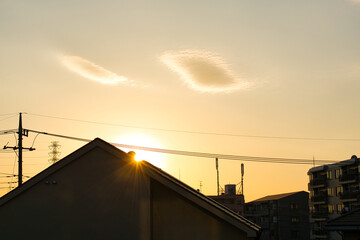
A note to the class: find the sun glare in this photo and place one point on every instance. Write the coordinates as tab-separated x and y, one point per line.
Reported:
143	140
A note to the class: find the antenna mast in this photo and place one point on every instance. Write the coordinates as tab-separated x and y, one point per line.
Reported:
242	178
217	173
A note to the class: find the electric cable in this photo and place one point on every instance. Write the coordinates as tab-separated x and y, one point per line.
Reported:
203	133
201	154
7	118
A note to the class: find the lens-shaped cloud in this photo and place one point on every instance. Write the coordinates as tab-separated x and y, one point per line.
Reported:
91	71
203	71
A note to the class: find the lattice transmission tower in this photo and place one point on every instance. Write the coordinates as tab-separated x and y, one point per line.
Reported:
54	154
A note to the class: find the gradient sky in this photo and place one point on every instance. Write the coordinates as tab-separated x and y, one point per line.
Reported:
261	68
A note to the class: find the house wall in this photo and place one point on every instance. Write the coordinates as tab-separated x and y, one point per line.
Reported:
88	201
173	217
99	193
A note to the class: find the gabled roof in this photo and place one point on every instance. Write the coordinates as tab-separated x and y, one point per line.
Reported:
97	142
275	197
349	221
154	173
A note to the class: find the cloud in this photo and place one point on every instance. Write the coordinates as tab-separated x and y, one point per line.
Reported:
203	71
91	71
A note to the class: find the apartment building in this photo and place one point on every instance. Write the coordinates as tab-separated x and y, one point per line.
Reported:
334	190
281	216
231	199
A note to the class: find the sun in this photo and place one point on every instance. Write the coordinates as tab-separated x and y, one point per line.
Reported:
143	140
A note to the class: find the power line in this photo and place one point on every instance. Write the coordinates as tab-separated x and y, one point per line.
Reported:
7	118
3	132
7	114
201	154
202	133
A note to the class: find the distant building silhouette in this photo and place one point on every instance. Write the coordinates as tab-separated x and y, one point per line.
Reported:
334	189
231	200
348	224
282	216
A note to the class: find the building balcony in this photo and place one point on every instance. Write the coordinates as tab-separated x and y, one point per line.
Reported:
320	214
319	232
321	181
319	199
351	176
350	195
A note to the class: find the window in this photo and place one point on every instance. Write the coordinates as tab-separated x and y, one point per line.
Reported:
339	207
294	234
295	219
330	192
311	209
311	194
337	173
331	208
329	174
339	190
294	206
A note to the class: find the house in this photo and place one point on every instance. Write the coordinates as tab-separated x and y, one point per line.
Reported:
334	189
281	216
101	192
347	225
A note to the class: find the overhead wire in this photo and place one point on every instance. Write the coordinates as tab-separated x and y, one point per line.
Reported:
6	114
200	154
7	118
202	133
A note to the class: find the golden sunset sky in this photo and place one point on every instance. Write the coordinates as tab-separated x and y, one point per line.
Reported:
275	79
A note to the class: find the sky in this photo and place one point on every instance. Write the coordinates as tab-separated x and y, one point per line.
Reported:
276	79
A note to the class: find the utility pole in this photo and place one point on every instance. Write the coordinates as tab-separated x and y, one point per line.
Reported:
20	137
21	132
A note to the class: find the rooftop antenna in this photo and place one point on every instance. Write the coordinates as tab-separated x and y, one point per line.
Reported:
21	132
217	173
314	161
242	178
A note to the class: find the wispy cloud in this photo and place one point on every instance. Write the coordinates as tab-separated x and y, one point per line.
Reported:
203	71
91	71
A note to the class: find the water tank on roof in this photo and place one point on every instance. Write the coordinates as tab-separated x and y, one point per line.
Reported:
230	189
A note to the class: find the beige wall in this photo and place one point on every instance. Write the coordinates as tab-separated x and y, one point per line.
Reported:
176	218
